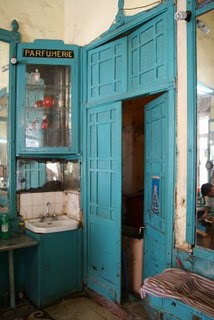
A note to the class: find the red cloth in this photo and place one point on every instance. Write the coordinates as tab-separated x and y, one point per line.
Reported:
190	288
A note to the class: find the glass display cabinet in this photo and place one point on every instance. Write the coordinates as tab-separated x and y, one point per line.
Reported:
47	98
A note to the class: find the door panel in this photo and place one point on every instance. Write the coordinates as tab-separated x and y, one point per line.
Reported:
156	183
104	200
147	51
107	70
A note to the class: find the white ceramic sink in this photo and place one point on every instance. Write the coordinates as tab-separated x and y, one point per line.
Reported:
48	225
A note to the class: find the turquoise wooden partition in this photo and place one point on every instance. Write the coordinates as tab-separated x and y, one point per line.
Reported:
107	75
158	176
147	54
103	211
135	58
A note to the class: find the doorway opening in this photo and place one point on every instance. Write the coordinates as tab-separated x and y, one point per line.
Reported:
133	147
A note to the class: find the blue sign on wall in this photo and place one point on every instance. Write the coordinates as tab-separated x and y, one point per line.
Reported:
155	201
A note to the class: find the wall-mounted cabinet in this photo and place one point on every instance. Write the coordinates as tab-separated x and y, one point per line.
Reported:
47	98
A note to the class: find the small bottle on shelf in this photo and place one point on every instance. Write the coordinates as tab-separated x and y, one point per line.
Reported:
35	77
21	224
5	234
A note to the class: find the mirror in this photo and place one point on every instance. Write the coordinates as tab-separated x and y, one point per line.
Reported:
8	46
4	93
205	129
47	176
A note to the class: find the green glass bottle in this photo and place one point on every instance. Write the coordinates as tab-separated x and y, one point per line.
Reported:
5	227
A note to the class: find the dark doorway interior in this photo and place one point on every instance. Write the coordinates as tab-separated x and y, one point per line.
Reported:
133	194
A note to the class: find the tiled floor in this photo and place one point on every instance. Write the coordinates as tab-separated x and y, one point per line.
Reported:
78	307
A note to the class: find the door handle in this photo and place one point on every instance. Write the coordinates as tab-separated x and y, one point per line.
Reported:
141	231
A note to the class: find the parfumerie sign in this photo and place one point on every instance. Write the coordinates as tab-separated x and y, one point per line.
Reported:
43	53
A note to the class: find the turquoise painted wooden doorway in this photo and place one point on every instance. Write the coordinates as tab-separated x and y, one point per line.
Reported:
103	203
156	188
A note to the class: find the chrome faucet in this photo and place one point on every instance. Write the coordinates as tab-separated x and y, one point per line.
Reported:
54	217
48	208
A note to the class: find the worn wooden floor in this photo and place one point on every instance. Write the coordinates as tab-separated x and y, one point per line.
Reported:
77	307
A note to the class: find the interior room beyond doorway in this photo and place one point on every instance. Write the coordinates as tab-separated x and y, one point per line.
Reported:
133	193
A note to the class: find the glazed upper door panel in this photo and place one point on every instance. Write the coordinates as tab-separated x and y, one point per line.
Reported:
47	101
103	170
156	190
107	70
147	52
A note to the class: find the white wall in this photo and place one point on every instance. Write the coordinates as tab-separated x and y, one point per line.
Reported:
38	19
86	20
135	6
180	195
75	22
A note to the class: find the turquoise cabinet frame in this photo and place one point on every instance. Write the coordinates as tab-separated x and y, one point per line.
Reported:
56	46
12	38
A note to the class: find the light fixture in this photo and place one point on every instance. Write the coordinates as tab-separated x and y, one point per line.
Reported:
203	89
5	68
182	15
202	26
13	60
2	140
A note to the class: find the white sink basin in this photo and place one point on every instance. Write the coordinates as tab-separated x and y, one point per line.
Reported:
48	225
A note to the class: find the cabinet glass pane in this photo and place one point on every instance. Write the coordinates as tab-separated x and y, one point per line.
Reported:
47	106
4	95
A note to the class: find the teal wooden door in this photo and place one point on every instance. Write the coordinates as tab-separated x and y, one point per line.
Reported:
156	189
103	226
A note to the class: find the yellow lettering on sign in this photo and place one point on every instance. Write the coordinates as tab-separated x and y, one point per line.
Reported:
26	52
54	53
31	54
38	53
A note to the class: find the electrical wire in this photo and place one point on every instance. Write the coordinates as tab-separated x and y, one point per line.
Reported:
145	6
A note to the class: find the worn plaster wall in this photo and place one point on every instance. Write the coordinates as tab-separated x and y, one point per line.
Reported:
181	177
86	20
136	6
38	19
75	22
